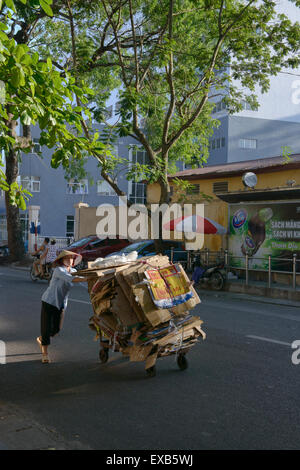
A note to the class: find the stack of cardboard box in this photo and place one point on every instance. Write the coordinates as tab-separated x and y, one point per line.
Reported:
125	311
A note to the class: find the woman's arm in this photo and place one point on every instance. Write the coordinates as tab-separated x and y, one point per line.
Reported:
79	279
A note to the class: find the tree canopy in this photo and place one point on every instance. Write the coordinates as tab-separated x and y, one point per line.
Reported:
170	61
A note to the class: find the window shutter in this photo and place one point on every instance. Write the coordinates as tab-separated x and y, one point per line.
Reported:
220	187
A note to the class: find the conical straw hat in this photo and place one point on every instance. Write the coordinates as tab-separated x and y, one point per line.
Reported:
65	253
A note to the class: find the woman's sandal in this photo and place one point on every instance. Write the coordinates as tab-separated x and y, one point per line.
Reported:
45	359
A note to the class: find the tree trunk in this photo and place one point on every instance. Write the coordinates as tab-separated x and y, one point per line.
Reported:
14	229
164	199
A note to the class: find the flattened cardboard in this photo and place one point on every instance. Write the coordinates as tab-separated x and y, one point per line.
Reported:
183	332
139	353
151	360
121	307
101	306
110	320
128	293
154	315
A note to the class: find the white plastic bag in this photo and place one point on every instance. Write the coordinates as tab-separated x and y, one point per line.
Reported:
115	260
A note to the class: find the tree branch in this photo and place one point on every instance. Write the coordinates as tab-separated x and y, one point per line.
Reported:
169	75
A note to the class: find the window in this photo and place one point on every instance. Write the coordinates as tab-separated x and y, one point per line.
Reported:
248	143
217	143
3	228
138	193
219	106
246	106
104	189
70	226
37	146
77	187
31	183
187	166
194	189
138	190
24	221
220	187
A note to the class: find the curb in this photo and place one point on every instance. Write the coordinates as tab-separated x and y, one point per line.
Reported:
250	298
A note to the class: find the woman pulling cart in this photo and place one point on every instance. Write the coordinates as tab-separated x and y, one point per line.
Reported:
55	298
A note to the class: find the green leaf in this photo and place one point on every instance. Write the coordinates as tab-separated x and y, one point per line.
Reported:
24	2
35	58
19	52
10	4
32	88
25	118
47	9
21	203
17	78
49	63
3	36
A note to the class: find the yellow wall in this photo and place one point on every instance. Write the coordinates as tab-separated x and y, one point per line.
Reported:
218	210
264	181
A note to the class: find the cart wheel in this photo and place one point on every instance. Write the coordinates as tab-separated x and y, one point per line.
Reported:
103	355
151	372
182	362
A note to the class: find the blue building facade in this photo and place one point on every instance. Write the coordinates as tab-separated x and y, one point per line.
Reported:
56	196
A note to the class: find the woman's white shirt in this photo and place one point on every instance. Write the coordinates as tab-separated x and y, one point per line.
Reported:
58	290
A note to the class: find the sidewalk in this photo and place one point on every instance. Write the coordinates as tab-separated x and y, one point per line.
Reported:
19	431
280	292
227	294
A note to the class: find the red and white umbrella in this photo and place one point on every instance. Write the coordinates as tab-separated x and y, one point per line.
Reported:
197	224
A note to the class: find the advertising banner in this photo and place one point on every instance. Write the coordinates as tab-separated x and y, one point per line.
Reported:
264	229
168	286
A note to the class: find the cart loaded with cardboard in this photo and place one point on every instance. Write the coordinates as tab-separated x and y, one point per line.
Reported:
142	309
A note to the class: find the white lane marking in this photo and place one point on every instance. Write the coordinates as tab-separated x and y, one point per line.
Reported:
80	301
269	340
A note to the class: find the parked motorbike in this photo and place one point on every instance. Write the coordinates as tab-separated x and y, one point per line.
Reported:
47	272
214	275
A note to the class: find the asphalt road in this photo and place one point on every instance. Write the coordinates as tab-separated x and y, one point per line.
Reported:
241	390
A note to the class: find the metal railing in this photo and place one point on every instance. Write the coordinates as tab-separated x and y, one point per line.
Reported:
208	257
61	242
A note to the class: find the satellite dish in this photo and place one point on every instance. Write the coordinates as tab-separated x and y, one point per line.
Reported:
249	179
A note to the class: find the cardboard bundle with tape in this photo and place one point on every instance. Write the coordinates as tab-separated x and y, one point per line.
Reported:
143	306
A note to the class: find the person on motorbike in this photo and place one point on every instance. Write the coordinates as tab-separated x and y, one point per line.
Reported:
41	253
51	252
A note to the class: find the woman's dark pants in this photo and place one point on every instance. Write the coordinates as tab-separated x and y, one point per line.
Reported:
51	320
